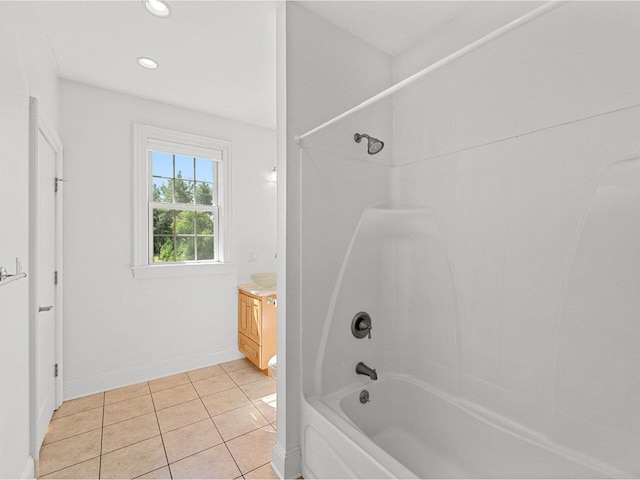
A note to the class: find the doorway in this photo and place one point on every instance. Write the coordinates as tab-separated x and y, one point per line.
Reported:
45	281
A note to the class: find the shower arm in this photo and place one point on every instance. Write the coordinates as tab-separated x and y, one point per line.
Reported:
518	22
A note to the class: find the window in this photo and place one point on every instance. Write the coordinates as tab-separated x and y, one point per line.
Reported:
182	191
183	209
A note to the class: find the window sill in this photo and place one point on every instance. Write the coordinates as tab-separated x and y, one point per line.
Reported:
181	270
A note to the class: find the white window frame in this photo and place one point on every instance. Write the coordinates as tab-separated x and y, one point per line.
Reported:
148	138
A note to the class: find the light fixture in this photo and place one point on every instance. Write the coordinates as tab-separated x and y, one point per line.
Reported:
147	62
273	176
159	8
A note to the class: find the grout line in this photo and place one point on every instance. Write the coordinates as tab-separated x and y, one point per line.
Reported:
101	437
70	415
217	430
268	463
164	448
234	460
72	436
64	468
125	399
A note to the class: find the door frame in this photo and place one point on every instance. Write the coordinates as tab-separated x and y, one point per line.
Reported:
39	125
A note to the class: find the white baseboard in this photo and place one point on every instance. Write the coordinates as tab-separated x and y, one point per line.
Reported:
29	469
81	387
286	464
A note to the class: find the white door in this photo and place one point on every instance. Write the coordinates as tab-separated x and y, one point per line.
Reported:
46	319
46	316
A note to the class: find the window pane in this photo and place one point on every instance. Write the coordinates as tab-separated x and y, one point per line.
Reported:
204	170
205	248
162	190
185	167
162	164
185	249
163	249
204	193
185	222
204	223
183	191
163	222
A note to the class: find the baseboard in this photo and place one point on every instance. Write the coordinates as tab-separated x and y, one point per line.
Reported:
29	469
286	464
120	378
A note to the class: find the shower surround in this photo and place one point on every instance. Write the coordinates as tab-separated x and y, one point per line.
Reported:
494	242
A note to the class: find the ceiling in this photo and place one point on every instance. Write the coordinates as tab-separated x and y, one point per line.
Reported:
391	26
213	56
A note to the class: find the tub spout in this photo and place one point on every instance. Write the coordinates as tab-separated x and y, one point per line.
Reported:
362	369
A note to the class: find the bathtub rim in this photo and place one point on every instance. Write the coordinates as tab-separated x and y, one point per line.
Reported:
330	407
375	454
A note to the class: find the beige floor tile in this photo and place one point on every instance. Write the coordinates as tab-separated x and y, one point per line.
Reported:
215	462
259	389
174	396
125	393
134	460
263	472
222	402
275	426
252	450
247	375
70	451
133	407
212	385
88	469
130	431
236	365
206	372
160	474
239	421
79	405
267	406
168	382
74	424
181	415
191	439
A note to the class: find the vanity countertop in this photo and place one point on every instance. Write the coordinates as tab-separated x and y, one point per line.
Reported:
255	289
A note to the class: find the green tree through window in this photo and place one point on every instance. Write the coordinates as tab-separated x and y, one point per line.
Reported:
183	208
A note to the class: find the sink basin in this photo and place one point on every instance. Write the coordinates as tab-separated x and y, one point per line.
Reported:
265	280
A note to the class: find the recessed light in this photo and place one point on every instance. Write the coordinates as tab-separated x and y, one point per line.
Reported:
146	62
159	8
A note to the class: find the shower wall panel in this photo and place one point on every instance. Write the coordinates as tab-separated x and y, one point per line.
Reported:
542	234
330	178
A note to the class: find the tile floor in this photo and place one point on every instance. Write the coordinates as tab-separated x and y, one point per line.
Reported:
214	422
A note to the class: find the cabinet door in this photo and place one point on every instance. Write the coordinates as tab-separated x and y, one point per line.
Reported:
244	313
255	320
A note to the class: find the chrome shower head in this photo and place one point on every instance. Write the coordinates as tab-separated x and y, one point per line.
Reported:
373	146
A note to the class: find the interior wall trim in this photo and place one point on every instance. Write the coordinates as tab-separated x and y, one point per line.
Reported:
81	387
29	469
287	464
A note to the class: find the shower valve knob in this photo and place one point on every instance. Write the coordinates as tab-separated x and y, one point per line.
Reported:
361	325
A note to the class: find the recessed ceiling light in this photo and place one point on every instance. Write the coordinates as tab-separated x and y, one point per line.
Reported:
159	8
149	63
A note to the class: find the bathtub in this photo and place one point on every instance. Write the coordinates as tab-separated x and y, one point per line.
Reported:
411	430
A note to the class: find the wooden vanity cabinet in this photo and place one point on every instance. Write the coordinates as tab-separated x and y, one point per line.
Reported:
257	327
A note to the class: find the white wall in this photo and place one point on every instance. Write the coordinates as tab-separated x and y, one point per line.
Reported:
119	329
26	71
507	145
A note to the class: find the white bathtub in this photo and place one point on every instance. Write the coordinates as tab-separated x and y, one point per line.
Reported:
411	430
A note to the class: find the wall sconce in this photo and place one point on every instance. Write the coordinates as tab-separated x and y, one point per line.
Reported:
273	176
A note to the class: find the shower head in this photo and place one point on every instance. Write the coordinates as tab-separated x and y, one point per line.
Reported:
373	146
